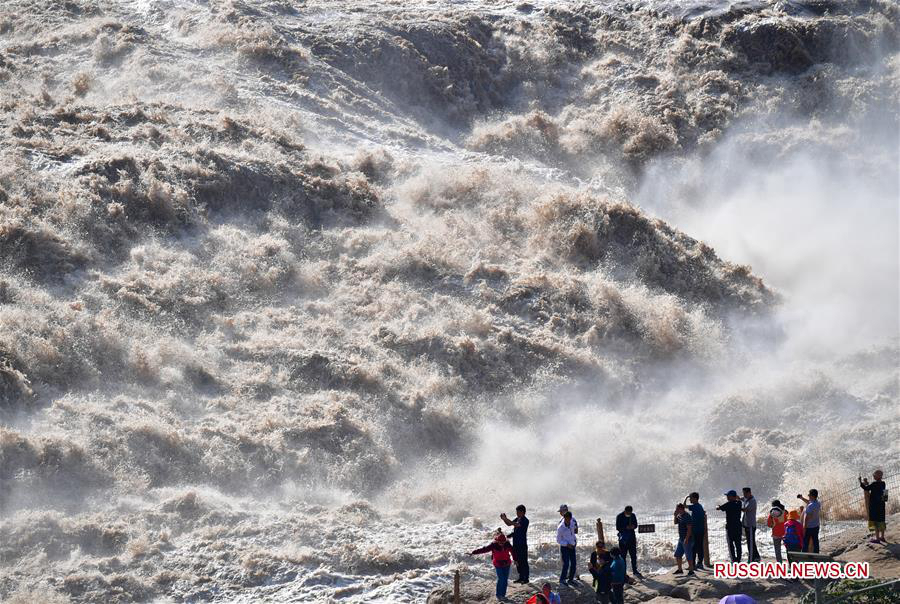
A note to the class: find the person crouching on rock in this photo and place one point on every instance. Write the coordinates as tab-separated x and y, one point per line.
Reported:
547	591
502	556
685	546
601	562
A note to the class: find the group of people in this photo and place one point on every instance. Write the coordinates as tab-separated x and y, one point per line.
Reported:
796	530
607	567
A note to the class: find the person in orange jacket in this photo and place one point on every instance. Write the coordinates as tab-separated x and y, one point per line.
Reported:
775	521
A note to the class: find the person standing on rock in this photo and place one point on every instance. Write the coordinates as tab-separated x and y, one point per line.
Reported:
626	524
618	576
565	537
733	527
699	517
562	512
520	542
502	555
685	539
877	492
748	507
775	521
811	521
793	532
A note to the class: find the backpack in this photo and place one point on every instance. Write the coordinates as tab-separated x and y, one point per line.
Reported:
791	538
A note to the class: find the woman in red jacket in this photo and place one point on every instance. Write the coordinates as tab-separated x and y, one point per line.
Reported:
502	556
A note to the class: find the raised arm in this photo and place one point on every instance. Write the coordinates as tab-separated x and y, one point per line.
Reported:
481	550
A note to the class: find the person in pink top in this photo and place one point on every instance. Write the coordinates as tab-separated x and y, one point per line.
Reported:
775	521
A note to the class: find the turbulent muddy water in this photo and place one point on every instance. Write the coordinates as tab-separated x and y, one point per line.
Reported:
295	297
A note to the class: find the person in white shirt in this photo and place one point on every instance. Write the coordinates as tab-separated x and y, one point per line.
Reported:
567	540
562	512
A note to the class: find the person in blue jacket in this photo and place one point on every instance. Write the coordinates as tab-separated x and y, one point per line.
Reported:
617	569
699	517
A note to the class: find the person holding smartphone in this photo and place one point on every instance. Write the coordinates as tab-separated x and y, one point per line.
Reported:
877	498
811	521
519	542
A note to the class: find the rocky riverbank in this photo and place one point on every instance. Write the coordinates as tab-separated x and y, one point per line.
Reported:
851	545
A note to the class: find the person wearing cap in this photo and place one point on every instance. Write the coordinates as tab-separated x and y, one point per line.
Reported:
626	523
775	521
698	514
748	520
562	512
793	532
811	521
502	556
877	497
733	527
565	537
520	542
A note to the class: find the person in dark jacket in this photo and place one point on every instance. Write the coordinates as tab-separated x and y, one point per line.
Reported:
733	527
502	556
520	542
876	491
626	525
600	567
748	521
699	517
685	546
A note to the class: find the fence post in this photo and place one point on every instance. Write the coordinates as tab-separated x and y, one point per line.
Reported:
865	509
706	537
456	587
600	536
